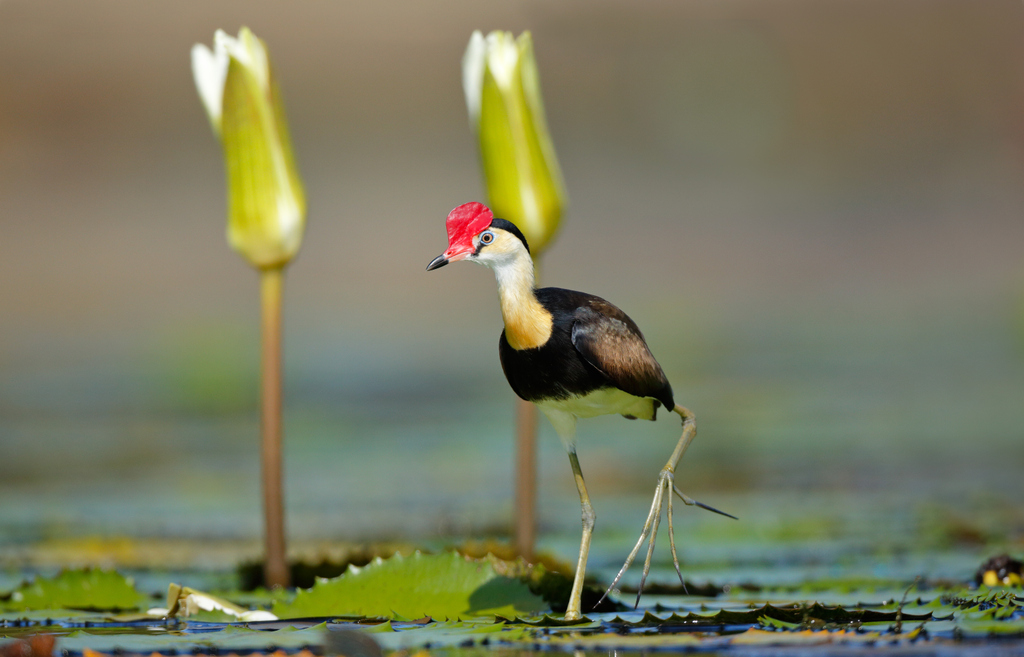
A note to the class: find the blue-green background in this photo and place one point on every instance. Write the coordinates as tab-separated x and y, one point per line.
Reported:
814	210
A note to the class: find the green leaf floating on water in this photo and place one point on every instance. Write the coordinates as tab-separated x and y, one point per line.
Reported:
231	638
790	616
88	588
440	586
449	634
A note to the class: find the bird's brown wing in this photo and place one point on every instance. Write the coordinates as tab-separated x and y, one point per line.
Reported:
610	341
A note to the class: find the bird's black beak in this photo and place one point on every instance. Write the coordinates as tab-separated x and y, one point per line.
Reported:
437	263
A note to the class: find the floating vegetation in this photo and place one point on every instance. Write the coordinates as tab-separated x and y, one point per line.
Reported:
451	603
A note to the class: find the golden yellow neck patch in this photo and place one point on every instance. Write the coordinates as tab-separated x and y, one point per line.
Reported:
527	323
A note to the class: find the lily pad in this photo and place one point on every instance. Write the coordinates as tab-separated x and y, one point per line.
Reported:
440	586
89	589
231	638
448	634
610	642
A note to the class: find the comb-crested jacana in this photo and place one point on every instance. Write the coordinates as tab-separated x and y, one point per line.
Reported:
574	355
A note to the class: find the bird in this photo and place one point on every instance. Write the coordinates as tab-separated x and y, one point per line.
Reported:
574	355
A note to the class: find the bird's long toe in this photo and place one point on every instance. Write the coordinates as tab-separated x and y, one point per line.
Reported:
649	534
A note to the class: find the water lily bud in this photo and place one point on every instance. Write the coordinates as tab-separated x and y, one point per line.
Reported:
266	201
524	182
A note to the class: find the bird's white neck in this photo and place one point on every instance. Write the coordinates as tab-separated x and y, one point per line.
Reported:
527	323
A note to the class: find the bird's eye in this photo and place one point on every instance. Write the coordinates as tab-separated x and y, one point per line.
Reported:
486	238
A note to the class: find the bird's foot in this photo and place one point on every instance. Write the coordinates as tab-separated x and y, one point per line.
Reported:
662	497
689	501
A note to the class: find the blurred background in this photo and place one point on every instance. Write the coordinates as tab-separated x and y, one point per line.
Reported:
813	209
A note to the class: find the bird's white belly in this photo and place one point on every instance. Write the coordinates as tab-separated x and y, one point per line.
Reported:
606	401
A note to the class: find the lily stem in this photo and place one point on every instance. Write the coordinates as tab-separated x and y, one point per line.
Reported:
526	478
526	470
275	567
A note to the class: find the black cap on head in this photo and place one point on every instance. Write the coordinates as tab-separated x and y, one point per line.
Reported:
510	227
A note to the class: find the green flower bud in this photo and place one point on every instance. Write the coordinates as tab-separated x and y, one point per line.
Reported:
266	202
524	182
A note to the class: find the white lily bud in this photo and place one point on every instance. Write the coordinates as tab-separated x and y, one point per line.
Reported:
524	182
266	201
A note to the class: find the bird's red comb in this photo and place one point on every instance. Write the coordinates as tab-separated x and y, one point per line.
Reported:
465	221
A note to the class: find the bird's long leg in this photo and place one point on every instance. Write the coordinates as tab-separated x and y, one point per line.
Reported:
572	612
672	542
565	426
665	488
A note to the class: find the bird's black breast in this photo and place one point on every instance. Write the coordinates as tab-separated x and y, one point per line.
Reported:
593	345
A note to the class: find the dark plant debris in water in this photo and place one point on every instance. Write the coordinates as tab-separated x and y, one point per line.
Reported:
305	573
999	570
705	590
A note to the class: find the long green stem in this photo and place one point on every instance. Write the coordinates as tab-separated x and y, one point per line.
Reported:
275	568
